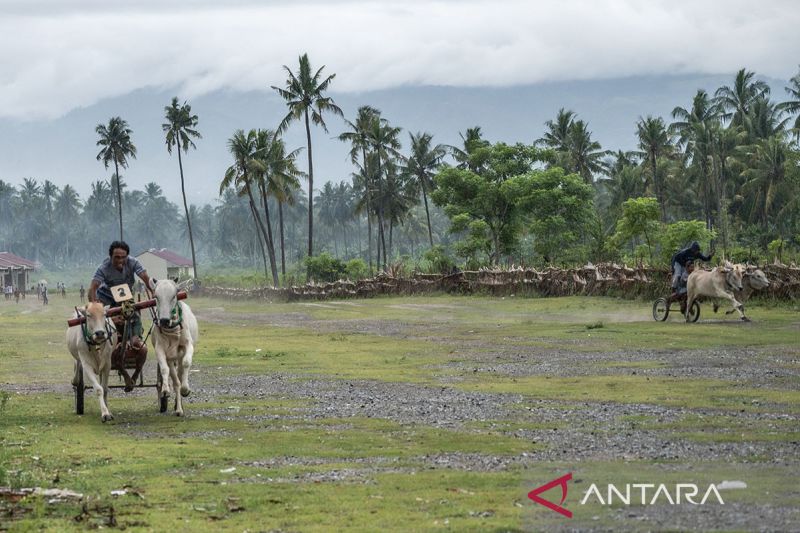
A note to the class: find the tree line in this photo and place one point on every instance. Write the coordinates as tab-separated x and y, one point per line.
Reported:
723	169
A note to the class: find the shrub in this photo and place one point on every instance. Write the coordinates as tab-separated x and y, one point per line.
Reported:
356	269
438	260
325	267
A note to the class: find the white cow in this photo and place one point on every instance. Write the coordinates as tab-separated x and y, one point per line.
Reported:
720	282
91	344
753	280
174	338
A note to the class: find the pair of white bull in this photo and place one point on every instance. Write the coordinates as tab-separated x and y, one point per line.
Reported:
727	282
173	339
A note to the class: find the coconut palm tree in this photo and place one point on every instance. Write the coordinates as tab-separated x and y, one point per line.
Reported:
765	178
696	130
472	140
422	163
240	175
67	215
115	139
283	179
179	130
558	131
654	141
792	105
383	139
358	136
303	95
735	101
585	156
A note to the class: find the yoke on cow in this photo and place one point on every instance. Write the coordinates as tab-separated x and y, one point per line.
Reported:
126	358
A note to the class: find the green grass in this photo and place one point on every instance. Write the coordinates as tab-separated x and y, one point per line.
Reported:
286	463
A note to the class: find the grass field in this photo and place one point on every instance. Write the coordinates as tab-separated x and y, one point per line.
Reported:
434	413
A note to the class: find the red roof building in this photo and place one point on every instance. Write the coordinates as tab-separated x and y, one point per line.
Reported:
14	270
163	263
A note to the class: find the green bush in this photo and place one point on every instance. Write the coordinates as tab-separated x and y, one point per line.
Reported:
325	268
356	269
438	260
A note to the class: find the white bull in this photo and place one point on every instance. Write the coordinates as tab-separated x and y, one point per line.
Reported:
174	338
91	344
753	280
720	282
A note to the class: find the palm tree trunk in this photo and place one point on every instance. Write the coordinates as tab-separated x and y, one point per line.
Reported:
119	197
270	242
427	212
391	231
310	190
283	255
260	244
380	211
259	224
188	220
344	238
368	187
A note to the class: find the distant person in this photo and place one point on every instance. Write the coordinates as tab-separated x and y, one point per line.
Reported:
16	295
82	292
44	295
63	290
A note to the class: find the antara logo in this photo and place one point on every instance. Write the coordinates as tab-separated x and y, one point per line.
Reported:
638	493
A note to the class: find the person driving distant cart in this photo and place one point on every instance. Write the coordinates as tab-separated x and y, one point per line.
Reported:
679	261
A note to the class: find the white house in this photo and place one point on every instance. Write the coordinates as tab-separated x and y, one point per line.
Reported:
163	263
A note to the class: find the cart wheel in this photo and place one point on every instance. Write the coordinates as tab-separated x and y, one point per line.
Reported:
162	401
79	390
660	310
694	312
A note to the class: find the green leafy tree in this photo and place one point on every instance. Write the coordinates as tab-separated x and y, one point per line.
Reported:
304	98
117	147
179	129
557	205
639	219
484	207
679	234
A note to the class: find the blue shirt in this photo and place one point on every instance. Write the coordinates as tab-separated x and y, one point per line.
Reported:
108	276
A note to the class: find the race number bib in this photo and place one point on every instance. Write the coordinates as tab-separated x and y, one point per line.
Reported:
121	293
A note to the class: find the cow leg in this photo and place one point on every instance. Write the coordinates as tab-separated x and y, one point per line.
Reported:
163	369
92	378
739	307
689	302
176	384
184	365
76	378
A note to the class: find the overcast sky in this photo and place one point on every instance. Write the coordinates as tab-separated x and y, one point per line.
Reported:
59	54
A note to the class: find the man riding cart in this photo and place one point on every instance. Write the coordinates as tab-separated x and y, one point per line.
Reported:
117	272
682	264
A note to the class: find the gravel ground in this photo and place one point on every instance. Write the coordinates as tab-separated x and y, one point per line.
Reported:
561	432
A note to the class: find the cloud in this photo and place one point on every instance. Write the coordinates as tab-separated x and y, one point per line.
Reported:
73	54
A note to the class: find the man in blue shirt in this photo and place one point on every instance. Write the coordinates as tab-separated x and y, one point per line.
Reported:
119	269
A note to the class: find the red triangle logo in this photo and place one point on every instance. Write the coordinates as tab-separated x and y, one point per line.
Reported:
562	481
